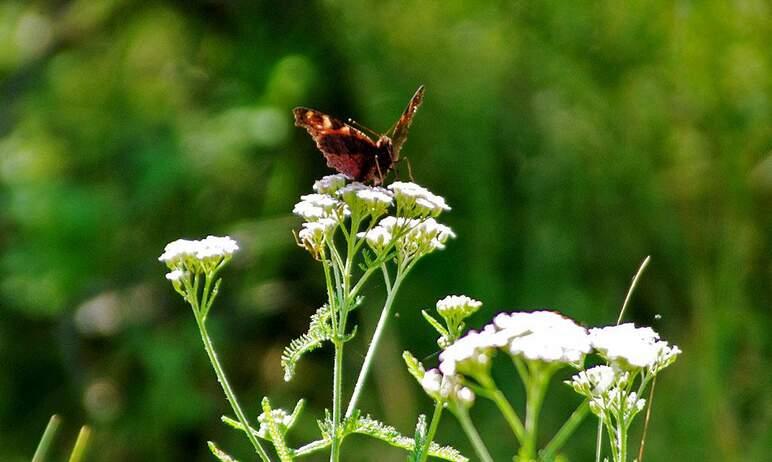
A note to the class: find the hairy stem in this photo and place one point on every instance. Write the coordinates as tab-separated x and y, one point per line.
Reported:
379	329
226	387
438	406
336	401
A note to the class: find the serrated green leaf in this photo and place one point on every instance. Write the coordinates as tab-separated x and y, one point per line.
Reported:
414	366
416	455
436	324
388	434
319	331
277	437
221	455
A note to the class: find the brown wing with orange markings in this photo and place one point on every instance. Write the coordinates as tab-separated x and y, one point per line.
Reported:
398	133
347	150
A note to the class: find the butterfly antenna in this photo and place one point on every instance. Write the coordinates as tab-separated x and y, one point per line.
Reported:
436	353
356	124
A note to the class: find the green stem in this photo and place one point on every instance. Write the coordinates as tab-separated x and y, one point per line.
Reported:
311	448
623	442
535	389
599	439
568	428
376	339
471	432
79	451
336	401
229	395
646	420
506	409
47	438
438	406
632	287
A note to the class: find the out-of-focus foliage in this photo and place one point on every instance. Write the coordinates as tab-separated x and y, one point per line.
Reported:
571	138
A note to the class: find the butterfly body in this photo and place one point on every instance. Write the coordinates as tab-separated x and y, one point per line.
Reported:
352	152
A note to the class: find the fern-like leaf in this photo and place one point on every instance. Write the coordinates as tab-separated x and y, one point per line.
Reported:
388	434
318	331
416	455
277	437
221	455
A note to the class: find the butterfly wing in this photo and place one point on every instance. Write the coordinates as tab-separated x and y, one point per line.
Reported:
398	133
347	150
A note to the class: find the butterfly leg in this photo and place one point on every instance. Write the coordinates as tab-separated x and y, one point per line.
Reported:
409	169
378	167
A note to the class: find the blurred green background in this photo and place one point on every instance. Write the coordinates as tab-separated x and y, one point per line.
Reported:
572	139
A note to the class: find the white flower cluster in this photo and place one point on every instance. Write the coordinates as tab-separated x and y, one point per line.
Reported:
314	207
544	336
443	387
330	184
596	380
282	418
471	354
454	306
184	257
628	347
416	201
620	404
414	231
366	200
412	237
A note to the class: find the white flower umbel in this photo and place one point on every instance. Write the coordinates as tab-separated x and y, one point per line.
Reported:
197	256
416	201
635	355
314	234
446	388
471	354
596	380
366	200
379	238
453	309
630	348
314	207
544	336
194	266
330	184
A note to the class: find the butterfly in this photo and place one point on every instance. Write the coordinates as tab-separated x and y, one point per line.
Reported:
349	150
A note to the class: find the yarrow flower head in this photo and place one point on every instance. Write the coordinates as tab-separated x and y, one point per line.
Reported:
197	256
446	388
379	238
454	309
596	380
629	347
367	200
544	336
416	201
471	354
330	184
414	238
314	234
313	207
